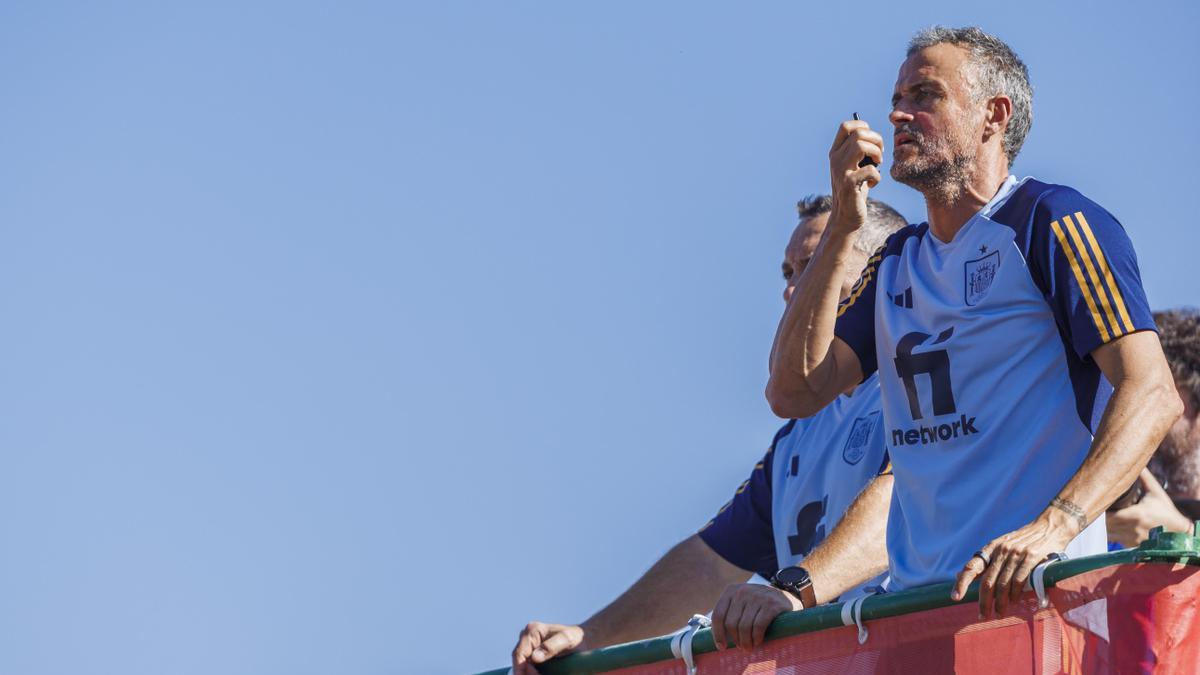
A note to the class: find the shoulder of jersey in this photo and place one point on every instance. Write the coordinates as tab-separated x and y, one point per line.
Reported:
895	243
1036	205
782	433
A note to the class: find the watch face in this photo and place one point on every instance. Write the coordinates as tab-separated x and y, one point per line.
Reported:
792	576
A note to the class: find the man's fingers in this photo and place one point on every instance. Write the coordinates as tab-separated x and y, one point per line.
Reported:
844	131
745	625
1022	575
969	571
987	582
762	621
867	174
521	655
858	142
871	150
733	621
1002	591
530	638
1150	483
553	646
718	620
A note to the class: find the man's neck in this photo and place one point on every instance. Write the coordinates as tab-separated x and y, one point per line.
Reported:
947	217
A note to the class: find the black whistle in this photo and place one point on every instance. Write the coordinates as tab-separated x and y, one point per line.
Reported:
866	161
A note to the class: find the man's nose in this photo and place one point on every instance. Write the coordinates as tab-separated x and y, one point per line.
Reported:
787	292
898	117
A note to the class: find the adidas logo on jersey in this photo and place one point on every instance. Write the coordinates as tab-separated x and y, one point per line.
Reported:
963	426
902	299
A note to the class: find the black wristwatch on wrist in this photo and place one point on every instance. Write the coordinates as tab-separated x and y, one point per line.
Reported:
796	580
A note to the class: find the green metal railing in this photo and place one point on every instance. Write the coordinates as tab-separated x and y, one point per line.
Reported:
1161	547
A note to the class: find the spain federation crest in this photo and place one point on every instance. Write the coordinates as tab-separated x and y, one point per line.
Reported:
860	433
978	276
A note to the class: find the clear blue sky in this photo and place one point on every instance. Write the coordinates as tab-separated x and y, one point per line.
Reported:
349	337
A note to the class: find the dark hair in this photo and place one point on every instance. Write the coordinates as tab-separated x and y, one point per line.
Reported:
882	220
1179	331
995	69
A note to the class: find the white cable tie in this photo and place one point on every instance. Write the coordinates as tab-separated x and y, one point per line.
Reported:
852	615
1038	578
681	642
862	628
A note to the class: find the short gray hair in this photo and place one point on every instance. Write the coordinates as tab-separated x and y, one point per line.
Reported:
995	69
882	220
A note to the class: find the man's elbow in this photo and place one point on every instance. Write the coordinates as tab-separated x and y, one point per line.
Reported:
790	402
1170	402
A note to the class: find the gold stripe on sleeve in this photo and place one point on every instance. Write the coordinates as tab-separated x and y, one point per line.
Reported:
859	287
1082	252
1083	287
1106	271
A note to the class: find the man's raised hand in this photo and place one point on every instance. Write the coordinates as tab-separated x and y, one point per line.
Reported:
540	642
850	182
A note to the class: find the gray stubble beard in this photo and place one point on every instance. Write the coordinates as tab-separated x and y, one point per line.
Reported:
942	182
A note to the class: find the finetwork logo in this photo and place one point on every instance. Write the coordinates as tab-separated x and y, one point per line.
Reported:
963	426
935	364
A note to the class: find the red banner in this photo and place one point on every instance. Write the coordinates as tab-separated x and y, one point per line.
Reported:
1124	619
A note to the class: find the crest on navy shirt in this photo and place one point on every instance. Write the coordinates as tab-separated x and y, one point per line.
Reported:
978	276
860	433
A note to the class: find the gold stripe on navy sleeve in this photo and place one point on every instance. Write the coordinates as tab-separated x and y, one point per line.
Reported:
1109	281
714	519
863	280
1069	253
1082	252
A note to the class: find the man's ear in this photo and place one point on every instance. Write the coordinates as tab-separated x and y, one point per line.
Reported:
997	116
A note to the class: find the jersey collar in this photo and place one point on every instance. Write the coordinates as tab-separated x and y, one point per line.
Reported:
1009	186
1006	190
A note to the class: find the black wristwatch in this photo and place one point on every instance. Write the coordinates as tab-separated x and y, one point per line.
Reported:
796	580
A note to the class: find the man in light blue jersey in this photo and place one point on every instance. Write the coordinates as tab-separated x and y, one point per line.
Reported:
814	472
995	329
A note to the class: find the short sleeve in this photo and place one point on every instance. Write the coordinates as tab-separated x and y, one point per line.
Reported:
742	532
856	315
1089	271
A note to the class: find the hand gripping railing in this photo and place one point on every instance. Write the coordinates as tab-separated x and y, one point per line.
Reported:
1162	547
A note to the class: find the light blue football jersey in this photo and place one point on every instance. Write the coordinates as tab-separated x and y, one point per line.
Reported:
796	495
982	347
814	487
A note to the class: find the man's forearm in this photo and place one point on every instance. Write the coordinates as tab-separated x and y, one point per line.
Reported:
801	364
685	581
856	550
1137	417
